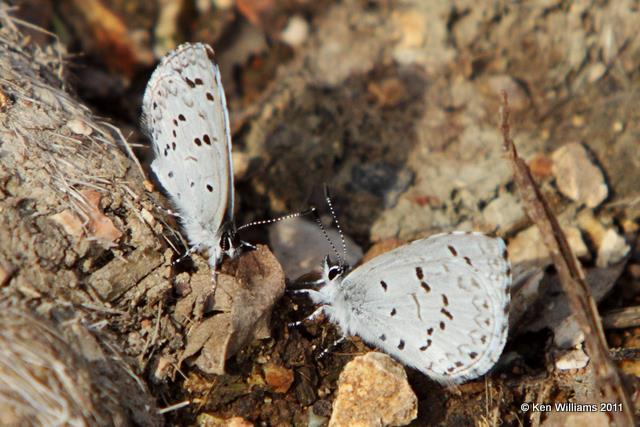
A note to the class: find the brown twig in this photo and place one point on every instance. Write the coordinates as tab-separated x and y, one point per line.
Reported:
571	277
627	317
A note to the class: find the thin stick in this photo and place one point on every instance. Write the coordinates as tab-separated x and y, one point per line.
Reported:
572	279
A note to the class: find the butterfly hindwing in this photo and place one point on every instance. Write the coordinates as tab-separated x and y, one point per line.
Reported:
186	116
438	304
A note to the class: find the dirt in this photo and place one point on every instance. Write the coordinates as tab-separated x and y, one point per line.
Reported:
395	105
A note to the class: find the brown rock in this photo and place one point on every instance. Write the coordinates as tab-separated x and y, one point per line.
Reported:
541	166
208	420
528	247
613	248
373	391
577	176
278	377
5	273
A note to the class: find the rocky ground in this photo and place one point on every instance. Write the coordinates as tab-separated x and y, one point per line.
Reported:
396	105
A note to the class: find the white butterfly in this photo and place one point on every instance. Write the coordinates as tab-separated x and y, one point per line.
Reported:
185	113
440	304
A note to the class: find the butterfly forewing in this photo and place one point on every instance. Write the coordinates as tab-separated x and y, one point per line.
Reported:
186	116
438	304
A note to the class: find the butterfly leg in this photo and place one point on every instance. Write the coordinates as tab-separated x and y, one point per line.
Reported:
331	347
306	283
310	317
186	255
247	245
310	292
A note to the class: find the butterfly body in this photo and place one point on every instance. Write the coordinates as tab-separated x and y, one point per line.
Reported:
438	304
186	117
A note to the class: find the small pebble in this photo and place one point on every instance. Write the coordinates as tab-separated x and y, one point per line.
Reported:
373	391
573	359
577	177
278	378
613	248
79	127
296	31
5	273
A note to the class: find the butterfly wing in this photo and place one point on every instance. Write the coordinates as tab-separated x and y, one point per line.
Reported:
186	116
438	304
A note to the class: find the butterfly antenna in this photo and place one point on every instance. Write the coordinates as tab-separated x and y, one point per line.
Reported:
326	236
335	220
272	220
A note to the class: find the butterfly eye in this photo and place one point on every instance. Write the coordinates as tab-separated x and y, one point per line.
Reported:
335	271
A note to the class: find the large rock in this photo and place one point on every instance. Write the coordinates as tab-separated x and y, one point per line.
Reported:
373	391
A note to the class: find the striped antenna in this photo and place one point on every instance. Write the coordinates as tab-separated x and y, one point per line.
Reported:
342	260
272	220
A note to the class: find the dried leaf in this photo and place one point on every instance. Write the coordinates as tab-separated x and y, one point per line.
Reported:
245	296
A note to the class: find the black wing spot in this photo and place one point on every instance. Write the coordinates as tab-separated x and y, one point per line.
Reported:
199	81
190	82
383	337
450	369
468	261
419	273
401	345
210	96
505	254
206	139
442	325
192	184
473	355
452	250
424	347
446	313
384	285
175	135
155	105
483	339
173	145
445	300
209	188
175	122
198	142
429	331
181	118
459	364
508	271
425	286
170	174
166	153
393	312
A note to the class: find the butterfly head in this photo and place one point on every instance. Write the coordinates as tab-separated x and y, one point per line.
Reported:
229	243
332	271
